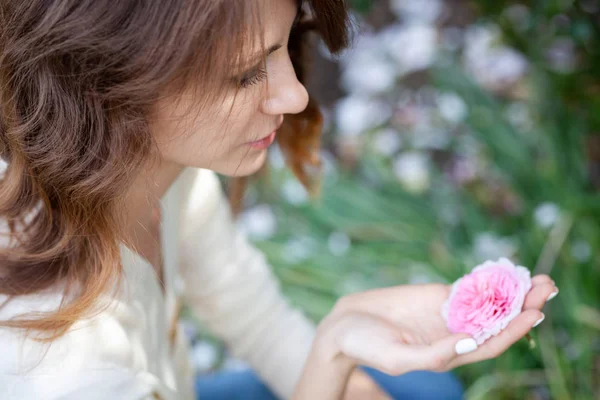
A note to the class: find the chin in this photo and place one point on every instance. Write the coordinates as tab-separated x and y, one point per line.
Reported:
248	166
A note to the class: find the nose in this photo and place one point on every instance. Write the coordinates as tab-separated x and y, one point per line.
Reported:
286	95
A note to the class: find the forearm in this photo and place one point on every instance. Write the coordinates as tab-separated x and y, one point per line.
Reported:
324	377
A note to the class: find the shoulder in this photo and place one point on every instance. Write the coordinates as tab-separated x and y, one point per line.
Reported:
95	352
109	382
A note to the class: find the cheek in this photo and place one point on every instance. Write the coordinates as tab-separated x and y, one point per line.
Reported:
232	125
187	136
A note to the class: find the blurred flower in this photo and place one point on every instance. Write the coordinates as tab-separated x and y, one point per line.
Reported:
370	77
367	70
276	157
329	167
546	215
519	116
258	222
338	243
449	213
298	249
492	65
519	16
412	46
387	142
581	251
356	114
452	107
590	6
561	55
463	171
293	192
412	170
349	149
204	356
483	302
427	135
353	282
452	38
422	10
407	114
488	245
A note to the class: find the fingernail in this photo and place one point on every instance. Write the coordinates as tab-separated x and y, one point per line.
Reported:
539	321
552	295
464	346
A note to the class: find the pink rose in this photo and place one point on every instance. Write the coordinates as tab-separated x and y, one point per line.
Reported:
483	302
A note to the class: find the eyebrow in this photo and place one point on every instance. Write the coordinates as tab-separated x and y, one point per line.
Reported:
259	57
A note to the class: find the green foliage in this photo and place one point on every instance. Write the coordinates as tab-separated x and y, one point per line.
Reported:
397	237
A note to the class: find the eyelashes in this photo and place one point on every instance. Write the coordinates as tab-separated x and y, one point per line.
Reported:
252	77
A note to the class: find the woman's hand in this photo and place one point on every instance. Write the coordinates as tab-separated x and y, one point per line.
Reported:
400	329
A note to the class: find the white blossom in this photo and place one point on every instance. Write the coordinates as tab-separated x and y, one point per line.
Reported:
412	170
488	246
298	249
413	46
452	107
357	114
546	215
258	222
561	55
421	10
426	134
353	282
519	116
581	251
492	65
367	69
519	15
452	38
293	192
387	142
338	243
276	158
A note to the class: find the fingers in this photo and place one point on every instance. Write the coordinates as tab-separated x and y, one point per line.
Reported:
497	345
440	355
542	291
540	279
538	296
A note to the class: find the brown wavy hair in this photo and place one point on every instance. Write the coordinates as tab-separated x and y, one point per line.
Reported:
78	79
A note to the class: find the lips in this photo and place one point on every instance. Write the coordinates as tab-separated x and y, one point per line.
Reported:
264	142
267	140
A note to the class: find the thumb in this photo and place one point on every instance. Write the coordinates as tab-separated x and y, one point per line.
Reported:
438	355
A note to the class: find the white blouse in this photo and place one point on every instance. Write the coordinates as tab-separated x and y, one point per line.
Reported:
126	352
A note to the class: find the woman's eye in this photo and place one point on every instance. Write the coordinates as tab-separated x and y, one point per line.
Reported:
253	76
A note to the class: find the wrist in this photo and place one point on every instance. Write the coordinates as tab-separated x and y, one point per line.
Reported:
325	373
326	351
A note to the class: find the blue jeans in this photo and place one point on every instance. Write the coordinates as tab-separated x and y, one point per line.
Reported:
245	385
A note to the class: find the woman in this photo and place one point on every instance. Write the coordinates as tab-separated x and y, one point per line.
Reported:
113	111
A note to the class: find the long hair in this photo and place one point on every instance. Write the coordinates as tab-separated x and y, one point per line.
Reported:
78	79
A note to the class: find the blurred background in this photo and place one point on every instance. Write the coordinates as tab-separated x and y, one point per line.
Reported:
456	131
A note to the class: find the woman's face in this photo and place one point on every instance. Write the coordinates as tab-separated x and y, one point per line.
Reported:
231	137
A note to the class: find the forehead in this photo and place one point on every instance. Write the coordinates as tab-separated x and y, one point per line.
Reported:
268	27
